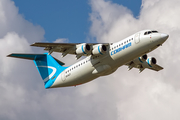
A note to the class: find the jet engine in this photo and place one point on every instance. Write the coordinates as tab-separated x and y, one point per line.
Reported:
99	49
151	61
83	49
140	60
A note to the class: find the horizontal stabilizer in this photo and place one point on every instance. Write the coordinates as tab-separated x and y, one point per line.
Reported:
26	56
32	57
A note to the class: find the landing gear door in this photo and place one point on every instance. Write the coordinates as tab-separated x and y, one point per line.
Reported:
137	38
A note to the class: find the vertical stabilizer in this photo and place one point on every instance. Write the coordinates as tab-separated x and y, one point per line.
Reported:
48	67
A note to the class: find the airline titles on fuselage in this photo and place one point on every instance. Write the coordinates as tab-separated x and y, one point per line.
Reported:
119	48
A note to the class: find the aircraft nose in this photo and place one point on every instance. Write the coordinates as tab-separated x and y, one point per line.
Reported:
164	36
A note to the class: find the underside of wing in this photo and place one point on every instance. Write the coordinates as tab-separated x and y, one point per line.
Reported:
143	62
78	49
156	68
56	47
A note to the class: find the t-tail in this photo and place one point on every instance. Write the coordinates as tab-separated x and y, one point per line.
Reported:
48	66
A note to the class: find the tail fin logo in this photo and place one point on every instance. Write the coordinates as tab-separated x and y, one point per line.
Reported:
52	73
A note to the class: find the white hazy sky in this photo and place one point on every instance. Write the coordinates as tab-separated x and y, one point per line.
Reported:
124	95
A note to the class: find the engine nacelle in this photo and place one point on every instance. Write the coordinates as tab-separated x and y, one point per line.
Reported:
99	49
83	49
140	60
151	61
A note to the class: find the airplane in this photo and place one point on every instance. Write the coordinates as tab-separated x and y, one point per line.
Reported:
101	58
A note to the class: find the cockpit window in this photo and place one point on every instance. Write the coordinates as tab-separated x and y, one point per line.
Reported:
154	31
146	33
149	32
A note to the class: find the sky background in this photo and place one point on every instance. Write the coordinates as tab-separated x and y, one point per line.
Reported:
123	95
65	18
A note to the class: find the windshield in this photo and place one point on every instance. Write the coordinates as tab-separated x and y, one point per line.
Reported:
149	32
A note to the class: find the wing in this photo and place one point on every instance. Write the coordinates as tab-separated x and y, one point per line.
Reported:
150	63
156	68
56	47
78	49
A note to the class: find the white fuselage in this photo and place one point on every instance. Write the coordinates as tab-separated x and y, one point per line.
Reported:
118	54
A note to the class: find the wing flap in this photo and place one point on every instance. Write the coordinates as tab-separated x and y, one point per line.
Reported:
37	44
56	47
156	68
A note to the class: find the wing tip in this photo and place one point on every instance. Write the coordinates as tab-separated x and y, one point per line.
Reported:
34	44
10	55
